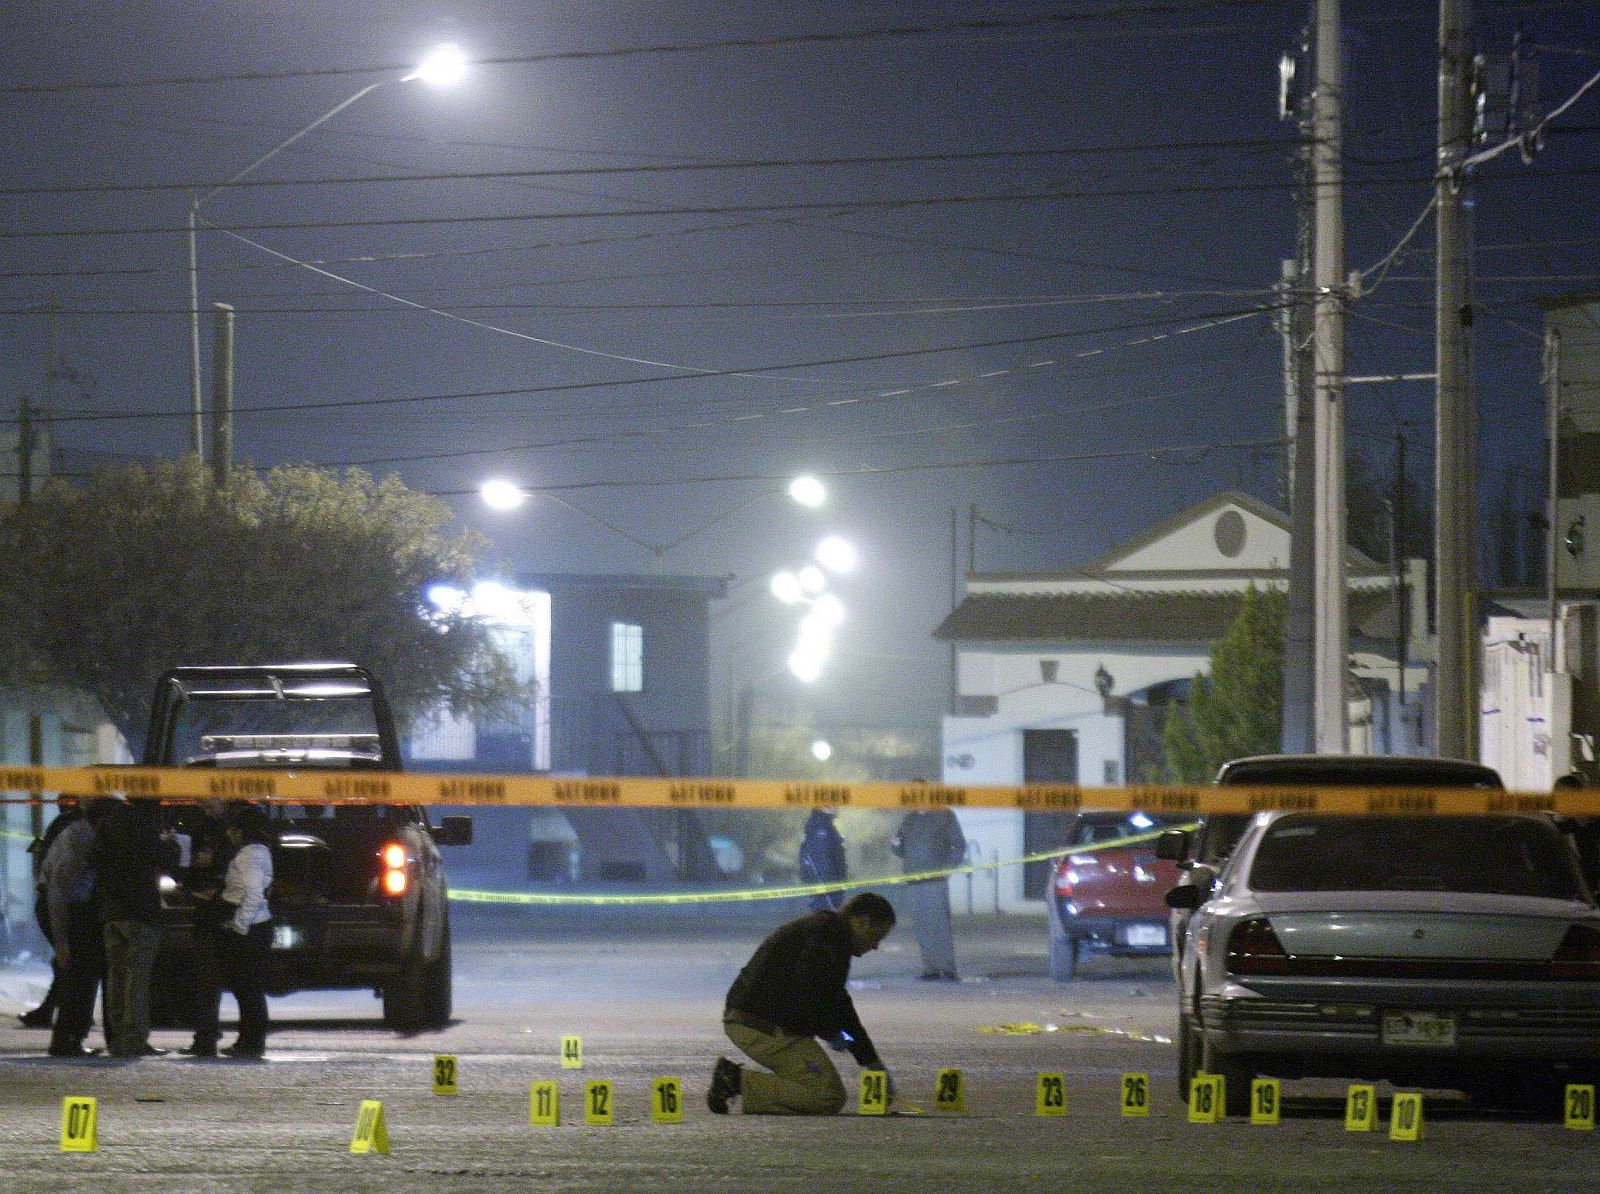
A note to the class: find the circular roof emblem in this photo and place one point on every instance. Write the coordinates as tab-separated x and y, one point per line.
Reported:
1229	533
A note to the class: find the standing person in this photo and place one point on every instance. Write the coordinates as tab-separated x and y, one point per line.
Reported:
241	936
130	856
75	929
931	840
789	993
822	858
209	854
44	1015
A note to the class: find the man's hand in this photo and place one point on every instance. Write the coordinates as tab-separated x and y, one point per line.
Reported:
838	1041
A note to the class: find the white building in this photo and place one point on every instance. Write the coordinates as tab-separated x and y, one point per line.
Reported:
1064	677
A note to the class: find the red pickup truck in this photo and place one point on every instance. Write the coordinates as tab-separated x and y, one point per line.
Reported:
1109	898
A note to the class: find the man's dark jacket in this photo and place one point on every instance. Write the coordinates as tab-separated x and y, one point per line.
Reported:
796	982
129	857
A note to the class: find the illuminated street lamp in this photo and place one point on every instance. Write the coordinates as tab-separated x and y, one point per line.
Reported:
808	491
499	494
822	750
836	554
444	66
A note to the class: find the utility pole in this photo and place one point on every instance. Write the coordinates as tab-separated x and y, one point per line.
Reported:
1552	382
25	446
1331	634
1298	387
1455	684
222	395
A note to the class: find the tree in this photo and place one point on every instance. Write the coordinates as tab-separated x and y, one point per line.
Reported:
1237	709
111	582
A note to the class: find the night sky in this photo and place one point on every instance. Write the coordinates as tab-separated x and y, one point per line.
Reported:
944	257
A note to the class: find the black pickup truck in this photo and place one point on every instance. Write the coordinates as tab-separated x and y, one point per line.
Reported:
358	895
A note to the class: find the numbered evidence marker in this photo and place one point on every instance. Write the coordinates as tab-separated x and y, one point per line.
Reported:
1205	1099
597	1110
1579	1105
572	1053
79	1133
1136	1094
1405	1117
1265	1095
372	1136
1360	1109
544	1105
666	1101
950	1092
874	1093
444	1074
1050	1095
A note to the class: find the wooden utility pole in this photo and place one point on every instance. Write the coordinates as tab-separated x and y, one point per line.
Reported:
1455	685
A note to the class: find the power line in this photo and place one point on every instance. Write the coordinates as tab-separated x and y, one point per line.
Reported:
978	25
842	206
116	188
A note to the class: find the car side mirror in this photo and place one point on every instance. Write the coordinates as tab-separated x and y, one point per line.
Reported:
1173	845
453	831
1186	896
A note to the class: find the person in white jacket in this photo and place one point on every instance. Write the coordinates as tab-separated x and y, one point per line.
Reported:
241	935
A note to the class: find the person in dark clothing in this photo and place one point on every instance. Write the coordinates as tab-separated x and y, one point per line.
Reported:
44	1015
240	936
791	992
130	856
210	851
70	882
822	858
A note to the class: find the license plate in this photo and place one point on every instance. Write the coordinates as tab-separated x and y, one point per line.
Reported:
1147	935
1419	1028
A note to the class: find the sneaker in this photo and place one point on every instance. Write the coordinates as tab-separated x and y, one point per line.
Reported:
39	1017
726	1083
253	1052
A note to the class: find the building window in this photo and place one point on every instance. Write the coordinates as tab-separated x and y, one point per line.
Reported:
627	657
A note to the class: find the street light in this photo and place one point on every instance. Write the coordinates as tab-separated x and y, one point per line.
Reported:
443	66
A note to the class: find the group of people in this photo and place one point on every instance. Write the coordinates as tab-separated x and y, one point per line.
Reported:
100	866
928	841
792	997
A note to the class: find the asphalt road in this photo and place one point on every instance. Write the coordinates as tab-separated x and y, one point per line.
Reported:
644	992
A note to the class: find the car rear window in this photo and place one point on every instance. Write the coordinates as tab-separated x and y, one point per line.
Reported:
1091	831
1491	855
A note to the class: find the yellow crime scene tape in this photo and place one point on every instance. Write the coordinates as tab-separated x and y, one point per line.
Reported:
389	787
795	891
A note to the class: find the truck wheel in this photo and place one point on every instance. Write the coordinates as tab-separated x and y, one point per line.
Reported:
419	997
1063	958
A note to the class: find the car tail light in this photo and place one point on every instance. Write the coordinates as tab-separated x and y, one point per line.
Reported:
394	869
1065	878
1578	955
1253	948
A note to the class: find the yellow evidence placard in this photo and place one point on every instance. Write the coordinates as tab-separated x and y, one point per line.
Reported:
874	1093
1578	1107
1205	1099
1266	1097
598	1110
1360	1109
80	1132
444	1074
666	1101
572	1053
371	1134
1136	1094
544	1104
1405	1117
1050	1094
950	1092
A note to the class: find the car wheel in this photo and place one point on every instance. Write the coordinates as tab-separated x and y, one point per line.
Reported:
1237	1073
419	997
1188	1054
1064	958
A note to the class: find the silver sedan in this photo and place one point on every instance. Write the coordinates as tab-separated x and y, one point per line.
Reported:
1442	952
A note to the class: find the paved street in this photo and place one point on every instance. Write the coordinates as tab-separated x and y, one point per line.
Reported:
644	992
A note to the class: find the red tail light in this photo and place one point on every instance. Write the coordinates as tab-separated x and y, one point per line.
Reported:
1253	948
394	869
1065	878
1578	956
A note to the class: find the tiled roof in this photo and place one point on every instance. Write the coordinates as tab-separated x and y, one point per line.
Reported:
1108	617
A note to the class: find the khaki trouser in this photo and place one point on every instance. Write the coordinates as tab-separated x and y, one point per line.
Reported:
803	1080
131	947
